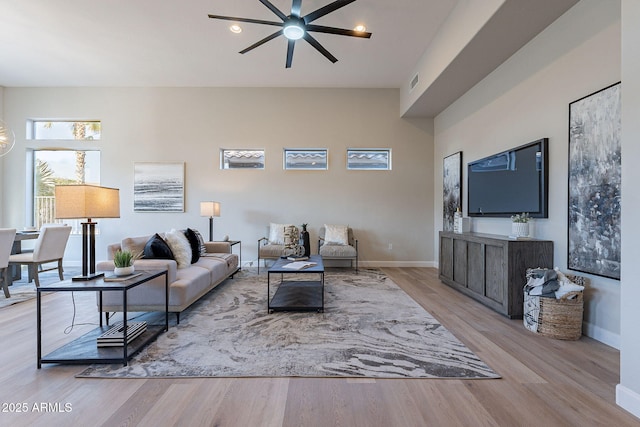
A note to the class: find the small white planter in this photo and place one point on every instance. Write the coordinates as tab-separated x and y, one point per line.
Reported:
123	271
520	229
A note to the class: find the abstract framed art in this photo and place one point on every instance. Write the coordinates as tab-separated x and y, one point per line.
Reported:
594	233
158	187
451	189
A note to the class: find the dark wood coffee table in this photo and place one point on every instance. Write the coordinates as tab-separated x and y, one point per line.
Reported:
295	293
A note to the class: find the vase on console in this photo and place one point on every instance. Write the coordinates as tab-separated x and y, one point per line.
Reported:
520	225
304	240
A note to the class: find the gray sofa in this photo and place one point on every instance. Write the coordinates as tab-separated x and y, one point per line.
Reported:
186	285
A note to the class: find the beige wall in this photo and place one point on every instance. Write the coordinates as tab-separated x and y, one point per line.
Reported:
191	125
527	98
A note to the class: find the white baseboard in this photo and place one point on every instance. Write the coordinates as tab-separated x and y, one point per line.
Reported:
396	264
370	264
628	400
602	335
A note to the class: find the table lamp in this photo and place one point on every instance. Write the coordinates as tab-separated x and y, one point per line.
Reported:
87	201
210	209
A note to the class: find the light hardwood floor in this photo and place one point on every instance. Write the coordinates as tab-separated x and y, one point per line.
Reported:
544	382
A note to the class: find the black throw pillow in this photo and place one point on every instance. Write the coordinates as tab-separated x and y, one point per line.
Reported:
194	243
157	248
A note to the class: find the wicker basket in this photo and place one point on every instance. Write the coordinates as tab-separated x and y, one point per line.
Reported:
556	318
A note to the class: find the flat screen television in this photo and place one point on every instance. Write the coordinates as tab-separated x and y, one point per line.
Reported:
510	182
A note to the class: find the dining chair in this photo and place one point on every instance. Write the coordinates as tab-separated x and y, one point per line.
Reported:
7	236
49	247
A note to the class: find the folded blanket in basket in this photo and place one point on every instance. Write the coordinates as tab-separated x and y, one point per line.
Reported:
542	282
566	285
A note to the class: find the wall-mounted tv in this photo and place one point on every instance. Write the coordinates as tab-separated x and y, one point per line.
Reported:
510	182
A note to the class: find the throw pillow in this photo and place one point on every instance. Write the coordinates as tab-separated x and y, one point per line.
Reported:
180	247
203	248
336	235
157	248
194	243
276	233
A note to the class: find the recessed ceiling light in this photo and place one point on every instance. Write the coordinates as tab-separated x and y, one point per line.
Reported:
235	28
360	28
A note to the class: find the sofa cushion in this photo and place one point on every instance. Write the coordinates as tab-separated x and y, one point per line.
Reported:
194	243
180	247
135	245
230	260
157	248
337	251
271	251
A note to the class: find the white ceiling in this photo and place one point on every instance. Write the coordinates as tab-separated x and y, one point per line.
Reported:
172	43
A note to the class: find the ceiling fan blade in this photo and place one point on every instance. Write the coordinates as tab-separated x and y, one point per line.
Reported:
313	42
326	10
295	8
339	31
252	21
274	9
261	42
290	46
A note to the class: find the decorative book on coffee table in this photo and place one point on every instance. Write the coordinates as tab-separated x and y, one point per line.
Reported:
114	337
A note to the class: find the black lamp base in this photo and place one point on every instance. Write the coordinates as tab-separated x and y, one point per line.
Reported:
87	277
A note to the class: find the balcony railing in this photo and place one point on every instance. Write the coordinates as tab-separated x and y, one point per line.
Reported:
45	213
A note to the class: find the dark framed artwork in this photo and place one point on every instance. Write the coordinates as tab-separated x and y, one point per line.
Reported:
595	178
158	187
451	189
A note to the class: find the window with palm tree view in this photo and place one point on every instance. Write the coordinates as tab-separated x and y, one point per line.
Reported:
62	166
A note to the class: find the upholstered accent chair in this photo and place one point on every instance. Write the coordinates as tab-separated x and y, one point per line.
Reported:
280	242
7	236
337	242
49	247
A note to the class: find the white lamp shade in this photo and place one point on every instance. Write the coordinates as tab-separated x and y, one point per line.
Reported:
209	209
87	201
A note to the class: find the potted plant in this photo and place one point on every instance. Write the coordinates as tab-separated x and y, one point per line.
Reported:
520	225
123	261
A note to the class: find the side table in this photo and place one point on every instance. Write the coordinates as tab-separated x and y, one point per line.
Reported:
233	243
84	350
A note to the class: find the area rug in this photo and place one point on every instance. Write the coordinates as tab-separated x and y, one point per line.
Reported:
22	291
370	328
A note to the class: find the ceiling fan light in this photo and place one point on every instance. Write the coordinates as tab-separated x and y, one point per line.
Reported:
235	28
360	28
293	31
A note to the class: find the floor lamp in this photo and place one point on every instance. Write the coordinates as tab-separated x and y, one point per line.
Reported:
87	201
210	209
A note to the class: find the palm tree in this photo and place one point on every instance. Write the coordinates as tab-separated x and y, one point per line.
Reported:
79	130
45	182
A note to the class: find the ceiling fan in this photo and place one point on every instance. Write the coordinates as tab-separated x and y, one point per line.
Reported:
295	27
